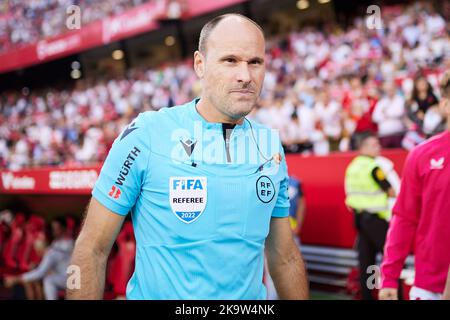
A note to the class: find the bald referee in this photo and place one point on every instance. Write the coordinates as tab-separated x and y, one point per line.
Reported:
206	188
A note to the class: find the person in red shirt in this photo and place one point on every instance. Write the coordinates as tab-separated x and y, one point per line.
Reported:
421	217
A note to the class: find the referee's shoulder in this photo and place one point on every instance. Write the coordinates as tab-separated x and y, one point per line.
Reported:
163	116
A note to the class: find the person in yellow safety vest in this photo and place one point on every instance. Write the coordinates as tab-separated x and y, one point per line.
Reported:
367	193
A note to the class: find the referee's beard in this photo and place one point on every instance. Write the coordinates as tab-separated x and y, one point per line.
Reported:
235	105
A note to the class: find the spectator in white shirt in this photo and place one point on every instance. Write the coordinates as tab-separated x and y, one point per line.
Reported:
388	114
327	112
306	120
293	136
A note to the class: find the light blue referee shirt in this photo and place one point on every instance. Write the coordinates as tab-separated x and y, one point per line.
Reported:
200	201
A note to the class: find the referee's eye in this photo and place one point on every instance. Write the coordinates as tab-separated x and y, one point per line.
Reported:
255	62
230	60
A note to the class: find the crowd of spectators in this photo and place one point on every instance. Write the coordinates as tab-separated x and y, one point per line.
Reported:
24	22
322	89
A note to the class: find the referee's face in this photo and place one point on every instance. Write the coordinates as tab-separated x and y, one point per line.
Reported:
232	68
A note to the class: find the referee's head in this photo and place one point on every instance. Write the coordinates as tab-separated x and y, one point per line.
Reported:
230	63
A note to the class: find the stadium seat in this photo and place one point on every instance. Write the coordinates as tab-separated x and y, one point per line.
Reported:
353	286
406	289
34	230
12	245
109	294
122	265
71	225
5	231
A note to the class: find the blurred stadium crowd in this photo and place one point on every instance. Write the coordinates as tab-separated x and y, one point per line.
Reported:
322	89
24	22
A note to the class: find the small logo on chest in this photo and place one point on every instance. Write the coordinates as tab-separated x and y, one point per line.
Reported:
265	189
437	164
188	146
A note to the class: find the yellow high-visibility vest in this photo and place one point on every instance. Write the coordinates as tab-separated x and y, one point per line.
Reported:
362	191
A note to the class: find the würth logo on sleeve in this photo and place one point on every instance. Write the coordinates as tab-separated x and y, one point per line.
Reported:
437	164
126	167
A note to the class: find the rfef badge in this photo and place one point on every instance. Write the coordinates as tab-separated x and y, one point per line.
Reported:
265	189
188	197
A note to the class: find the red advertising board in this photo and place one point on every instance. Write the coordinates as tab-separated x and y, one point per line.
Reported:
328	222
50	181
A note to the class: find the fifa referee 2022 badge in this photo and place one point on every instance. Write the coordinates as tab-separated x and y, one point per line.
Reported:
206	187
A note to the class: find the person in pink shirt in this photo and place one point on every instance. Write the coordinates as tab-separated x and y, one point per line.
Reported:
421	217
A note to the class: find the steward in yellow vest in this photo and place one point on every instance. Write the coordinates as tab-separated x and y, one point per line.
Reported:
367	192
366	187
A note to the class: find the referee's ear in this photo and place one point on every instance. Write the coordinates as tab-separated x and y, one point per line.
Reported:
199	64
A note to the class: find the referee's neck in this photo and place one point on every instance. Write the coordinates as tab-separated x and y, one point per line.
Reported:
211	114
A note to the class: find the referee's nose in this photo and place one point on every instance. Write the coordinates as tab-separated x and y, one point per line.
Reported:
243	75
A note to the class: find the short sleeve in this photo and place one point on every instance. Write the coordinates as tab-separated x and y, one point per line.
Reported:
125	168
282	205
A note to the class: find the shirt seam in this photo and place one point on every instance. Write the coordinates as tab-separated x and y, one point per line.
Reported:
147	171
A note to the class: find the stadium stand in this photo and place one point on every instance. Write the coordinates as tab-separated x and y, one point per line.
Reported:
22	23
